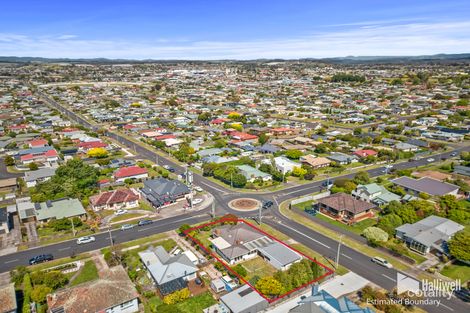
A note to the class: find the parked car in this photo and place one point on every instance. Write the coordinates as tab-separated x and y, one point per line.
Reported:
127	226
197	201
169	168
144	222
463	294
430	160
198	189
453	154
120	212
85	239
40	259
382	262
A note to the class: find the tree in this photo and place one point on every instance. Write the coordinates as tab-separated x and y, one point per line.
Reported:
362	178
238	180
183	228
55	279
240	270
18	273
269	286
459	245
298	172
33	166
27	289
357	131
293	154
262	138
9	160
97	153
40	293
177	296
375	234
388	223
205	116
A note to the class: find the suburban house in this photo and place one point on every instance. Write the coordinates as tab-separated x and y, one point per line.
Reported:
240	242
32	178
39	154
115	199
130	172
365	153
406	147
112	292
57	209
285	165
342	159
374	193
25	209
315	162
320	301
162	191
427	185
8	184
268	148
8	299
345	208
429	234
462	170
251	173
39	142
169	272
244	300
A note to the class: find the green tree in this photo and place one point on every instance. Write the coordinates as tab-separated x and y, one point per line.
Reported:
18	273
33	166
40	293
262	138
298	171
293	154
362	178
240	270
459	245
375	234
97	153
27	289
269	286
388	223
9	160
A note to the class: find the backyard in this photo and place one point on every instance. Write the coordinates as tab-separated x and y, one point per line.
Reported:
258	267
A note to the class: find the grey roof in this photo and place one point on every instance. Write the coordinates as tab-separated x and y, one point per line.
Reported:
59	209
431	231
462	170
35	150
341	157
162	186
165	268
40	173
244	299
425	184
280	253
268	148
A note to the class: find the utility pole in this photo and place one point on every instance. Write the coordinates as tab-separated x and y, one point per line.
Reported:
259	215
337	253
231	180
110	236
213	209
73	227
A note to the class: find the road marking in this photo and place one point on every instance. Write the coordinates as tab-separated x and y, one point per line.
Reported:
180	220
449	308
388	277
293	229
346	256
63	249
11	261
210	186
288	193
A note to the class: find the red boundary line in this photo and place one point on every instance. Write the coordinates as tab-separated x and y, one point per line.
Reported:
329	271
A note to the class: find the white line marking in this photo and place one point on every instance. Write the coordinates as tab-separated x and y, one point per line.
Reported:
449	308
346	256
183	219
309	188
388	277
63	249
210	186
293	229
11	261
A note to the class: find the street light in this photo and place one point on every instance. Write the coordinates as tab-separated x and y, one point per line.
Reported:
337	253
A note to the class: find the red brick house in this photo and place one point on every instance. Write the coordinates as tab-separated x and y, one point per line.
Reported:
345	208
115	200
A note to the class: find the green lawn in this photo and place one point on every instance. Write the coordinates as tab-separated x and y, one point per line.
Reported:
457	270
62	261
125	217
304	205
88	272
258	267
197	304
356	228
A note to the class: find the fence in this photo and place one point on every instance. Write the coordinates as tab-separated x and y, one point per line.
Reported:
310	198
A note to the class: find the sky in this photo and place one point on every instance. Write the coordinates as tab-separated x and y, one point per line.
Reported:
233	29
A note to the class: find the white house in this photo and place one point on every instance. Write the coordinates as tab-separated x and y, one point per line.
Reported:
285	165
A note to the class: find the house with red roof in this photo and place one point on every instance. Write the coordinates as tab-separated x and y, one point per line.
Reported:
50	155
282	131
115	200
242	136
131	172
165	137
365	153
219	121
40	142
88	145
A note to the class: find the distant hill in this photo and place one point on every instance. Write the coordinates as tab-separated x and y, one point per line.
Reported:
437	58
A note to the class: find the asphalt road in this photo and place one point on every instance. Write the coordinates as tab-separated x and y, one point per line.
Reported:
326	246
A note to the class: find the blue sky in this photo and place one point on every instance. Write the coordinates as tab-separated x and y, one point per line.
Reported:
236	29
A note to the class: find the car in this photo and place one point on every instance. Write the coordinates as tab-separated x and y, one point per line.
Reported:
197	201
120	212
41	258
453	154
414	159
198	189
85	239
463	294
430	160
144	222
127	226
198	281
303	297
381	261
267	204
169	168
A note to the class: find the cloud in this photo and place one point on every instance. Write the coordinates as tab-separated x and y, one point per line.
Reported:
412	38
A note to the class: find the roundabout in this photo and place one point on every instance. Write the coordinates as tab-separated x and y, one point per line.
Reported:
244	204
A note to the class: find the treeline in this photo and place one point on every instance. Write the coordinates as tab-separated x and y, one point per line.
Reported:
347	77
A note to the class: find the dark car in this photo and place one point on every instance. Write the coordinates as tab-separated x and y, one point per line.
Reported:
267	204
41	258
144	222
463	294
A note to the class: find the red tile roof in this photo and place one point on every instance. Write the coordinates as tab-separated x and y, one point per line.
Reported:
365	153
242	136
92	144
130	171
112	197
38	142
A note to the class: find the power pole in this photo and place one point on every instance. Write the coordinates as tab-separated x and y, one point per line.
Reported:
231	180
73	227
337	253
213	209
259	214
110	236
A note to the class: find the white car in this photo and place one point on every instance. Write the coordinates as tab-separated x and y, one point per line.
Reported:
86	239
127	226
120	212
198	189
382	262
430	160
197	201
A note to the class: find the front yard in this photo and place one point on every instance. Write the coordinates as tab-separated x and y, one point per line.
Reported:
457	270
